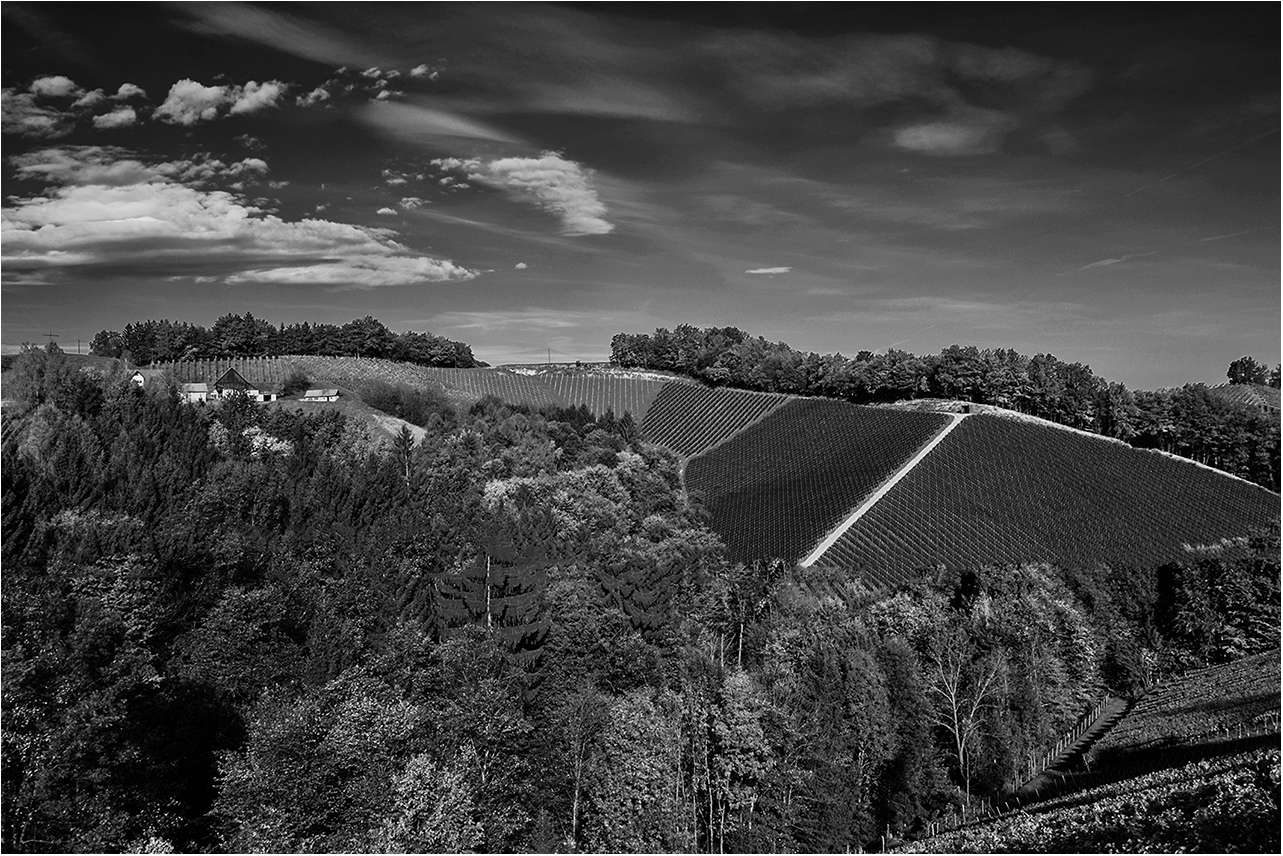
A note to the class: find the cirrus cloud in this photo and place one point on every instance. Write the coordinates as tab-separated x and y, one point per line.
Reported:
769	270
556	184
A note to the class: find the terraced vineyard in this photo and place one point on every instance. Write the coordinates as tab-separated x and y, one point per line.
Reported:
1209	704
692	419
475	384
260	370
600	391
1000	490
778	487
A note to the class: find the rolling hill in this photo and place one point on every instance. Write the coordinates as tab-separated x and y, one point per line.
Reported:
878	491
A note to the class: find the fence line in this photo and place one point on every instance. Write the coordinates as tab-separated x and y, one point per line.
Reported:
1067	781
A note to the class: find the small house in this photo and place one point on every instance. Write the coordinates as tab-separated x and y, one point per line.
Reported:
147	377
320	395
194	392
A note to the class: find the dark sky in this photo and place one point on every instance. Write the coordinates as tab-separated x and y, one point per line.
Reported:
1095	181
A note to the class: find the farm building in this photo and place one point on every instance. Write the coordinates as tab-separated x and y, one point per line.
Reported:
320	395
147	377
194	392
231	382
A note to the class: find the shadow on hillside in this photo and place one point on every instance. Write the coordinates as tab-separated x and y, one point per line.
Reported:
1119	766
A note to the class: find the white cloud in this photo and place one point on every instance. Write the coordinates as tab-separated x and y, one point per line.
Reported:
362	272
90	99
190	103
129	90
424	71
316	96
556	184
121	117
258	96
520	266
387	212
21	115
409	203
978	132
107	205
55	86
769	270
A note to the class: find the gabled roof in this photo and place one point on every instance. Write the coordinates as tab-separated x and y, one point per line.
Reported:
320	393
194	387
231	379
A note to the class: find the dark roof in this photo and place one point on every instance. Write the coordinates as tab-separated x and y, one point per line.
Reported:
231	379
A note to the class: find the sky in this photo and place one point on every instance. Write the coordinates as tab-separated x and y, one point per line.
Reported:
1098	182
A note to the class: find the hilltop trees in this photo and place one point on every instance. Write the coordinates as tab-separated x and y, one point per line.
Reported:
233	335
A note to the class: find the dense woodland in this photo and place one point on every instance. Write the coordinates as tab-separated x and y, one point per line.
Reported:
1192	421
236	627
232	335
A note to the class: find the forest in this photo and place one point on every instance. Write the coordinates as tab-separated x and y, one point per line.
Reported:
1191	420
232	335
235	627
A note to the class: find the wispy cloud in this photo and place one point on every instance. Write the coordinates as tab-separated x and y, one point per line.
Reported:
769	270
554	183
1109	262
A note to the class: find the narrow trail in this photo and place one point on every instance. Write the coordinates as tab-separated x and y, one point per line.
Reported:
1053	777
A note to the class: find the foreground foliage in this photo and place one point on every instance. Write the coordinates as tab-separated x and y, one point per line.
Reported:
241	628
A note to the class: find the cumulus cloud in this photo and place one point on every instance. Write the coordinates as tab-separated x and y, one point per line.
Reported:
769	270
258	96
520	266
129	90
106	204
555	184
55	86
190	103
409	203
316	96
90	99
386	212
121	117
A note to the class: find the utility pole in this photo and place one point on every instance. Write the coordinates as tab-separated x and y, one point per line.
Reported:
550	356
51	335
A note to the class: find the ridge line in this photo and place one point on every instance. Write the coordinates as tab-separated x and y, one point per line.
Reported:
840	530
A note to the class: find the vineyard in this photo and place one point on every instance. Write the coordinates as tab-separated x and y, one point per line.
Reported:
599	391
1210	704
1219	805
691	419
1000	491
779	486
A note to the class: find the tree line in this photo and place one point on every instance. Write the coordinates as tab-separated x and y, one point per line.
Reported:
232	335
235	627
1192	421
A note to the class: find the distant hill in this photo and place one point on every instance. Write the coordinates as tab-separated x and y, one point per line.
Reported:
838	484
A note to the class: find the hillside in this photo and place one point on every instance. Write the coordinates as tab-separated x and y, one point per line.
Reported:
1000	491
1184	770
779	473
776	488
